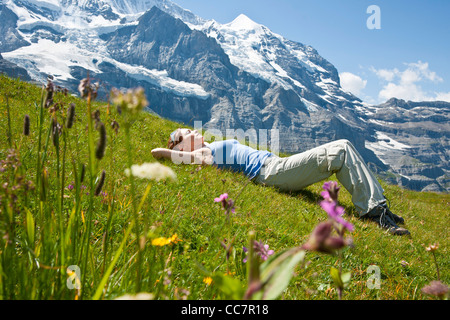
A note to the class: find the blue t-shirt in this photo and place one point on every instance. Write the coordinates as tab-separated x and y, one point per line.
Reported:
232	155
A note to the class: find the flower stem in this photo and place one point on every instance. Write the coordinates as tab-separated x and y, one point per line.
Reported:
437	267
9	133
91	191
38	158
135	212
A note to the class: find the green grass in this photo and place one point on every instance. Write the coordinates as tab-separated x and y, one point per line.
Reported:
33	263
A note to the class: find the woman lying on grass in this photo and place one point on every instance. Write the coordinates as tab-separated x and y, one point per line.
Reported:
290	173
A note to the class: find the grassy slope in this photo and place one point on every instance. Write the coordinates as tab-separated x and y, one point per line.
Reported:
186	207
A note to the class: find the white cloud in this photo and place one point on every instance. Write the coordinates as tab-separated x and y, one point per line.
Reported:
405	91
407	84
352	83
387	75
443	96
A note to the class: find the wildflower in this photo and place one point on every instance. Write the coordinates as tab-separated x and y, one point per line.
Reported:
70	116
228	205
335	212
207	280
138	296
436	288
185	293
404	263
100	183
86	88
70	187
331	191
26	125
50	90
11	160
56	132
104	196
261	249
432	247
82	87
101	146
160	242
151	171
330	204
322	240
132	101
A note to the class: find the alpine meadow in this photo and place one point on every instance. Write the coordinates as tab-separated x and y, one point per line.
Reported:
87	213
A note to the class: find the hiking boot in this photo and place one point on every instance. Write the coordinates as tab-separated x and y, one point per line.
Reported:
387	220
397	219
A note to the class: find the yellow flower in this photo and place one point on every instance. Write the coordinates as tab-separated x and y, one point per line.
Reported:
160	242
207	280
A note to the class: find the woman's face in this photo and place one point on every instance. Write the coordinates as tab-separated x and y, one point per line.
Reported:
190	140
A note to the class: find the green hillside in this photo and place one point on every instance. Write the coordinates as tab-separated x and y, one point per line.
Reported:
50	220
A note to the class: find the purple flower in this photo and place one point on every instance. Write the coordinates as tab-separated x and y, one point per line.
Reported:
261	250
228	205
221	198
436	288
329	204
335	212
104	196
322	240
331	191
70	187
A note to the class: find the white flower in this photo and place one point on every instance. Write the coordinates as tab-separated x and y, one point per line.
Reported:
138	296
151	171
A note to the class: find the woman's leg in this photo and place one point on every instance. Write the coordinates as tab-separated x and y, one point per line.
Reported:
301	170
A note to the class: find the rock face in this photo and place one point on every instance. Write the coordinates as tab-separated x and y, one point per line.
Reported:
413	139
12	70
238	76
10	39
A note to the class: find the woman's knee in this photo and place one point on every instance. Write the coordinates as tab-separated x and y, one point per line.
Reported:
343	142
332	156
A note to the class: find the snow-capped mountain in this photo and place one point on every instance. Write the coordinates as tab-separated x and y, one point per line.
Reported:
238	75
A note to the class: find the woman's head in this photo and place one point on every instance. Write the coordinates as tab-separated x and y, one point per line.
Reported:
185	140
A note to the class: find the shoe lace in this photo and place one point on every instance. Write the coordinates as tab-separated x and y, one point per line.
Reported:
387	217
382	215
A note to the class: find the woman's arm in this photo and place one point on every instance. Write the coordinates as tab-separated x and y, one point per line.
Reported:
159	153
200	156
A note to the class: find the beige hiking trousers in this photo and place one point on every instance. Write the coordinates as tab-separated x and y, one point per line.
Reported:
301	170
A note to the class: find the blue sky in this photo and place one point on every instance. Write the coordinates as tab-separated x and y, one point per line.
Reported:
408	57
